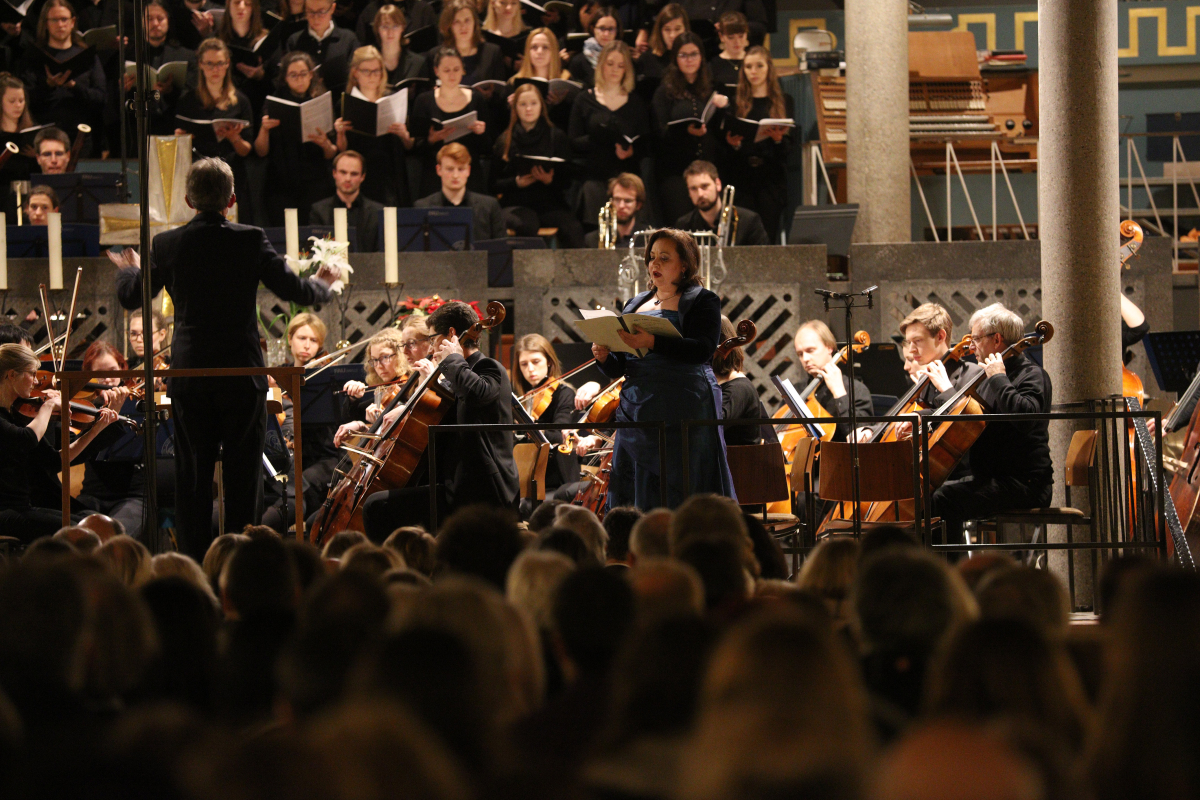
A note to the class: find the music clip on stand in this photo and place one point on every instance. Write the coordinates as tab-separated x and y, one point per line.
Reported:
849	301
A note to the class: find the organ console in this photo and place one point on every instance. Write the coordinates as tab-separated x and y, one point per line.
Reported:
950	100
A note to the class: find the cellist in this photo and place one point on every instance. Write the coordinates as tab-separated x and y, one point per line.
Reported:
927	333
815	347
1010	461
472	467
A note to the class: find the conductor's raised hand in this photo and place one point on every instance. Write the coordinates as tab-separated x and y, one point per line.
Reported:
600	353
638	339
448	347
328	274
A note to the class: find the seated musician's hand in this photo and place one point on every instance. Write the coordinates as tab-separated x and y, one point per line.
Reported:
373	412
833	379
1151	425
390	417
447	348
936	371
586	444
107	417
863	435
904	430
600	353
53	399
638	339
424	368
585	394
993	365
355	389
346	431
115	398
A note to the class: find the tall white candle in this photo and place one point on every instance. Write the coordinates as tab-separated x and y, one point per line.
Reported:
391	258
340	233
55	234
3	252
291	222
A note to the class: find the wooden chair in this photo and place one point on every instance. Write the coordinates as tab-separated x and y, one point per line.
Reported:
759	478
532	458
885	475
1081	456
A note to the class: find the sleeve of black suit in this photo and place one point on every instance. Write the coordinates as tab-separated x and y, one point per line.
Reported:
129	284
481	386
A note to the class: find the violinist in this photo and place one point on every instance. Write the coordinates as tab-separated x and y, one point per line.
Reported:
137	337
386	366
114	477
1010	461
24	450
739	398
547	399
306	338
927	335
472	467
815	347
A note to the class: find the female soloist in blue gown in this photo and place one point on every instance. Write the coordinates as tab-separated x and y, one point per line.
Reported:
673	382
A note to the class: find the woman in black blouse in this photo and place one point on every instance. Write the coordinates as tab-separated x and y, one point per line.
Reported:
63	97
538	366
482	61
603	120
683	94
299	171
215	98
759	169
605	28
739	398
24	450
401	63
535	192
671	23
384	156
449	100
14	118
241	28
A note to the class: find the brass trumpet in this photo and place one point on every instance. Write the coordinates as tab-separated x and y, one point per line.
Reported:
608	227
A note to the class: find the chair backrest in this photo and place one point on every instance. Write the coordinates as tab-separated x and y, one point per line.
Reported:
804	457
1080	455
532	458
758	472
885	471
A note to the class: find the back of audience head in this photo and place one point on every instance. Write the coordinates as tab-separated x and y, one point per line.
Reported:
721	566
651	535
342	541
178	565
665	587
533	582
543	516
567	542
618	523
259	578
185	620
48	548
768	553
593	613
42	632
585	523
1116	575
882	537
709	516
218	554
310	567
127	558
122	641
372	559
756	736
416	545
81	539
829	572
481	541
1021	592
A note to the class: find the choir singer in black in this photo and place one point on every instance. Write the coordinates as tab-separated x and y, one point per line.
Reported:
211	268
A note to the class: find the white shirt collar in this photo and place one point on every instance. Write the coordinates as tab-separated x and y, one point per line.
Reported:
328	32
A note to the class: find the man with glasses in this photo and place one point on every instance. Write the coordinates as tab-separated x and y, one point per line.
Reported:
628	195
330	46
362	213
1010	461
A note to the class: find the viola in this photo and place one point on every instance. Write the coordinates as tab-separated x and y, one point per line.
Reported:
536	401
83	415
397	457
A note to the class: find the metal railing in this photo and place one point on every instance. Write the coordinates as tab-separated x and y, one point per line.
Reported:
1130	182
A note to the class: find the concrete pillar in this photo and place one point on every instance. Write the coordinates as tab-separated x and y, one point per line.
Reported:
1078	212
877	164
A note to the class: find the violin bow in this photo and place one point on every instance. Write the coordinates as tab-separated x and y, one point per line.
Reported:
49	324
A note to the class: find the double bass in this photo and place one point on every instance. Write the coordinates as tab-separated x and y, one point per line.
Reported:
397	457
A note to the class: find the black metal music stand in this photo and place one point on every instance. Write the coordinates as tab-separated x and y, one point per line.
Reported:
1174	356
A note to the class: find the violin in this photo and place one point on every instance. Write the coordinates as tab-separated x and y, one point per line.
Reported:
396	456
536	401
83	415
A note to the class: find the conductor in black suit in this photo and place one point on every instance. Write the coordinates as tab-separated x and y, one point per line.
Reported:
212	268
454	168
472	467
362	213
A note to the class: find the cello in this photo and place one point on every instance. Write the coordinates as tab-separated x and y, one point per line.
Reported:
397	457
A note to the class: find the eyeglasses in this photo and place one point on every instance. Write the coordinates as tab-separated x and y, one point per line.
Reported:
409	345
982	338
57	20
606	28
298	76
370	72
137	335
381	360
318	12
214	64
690	55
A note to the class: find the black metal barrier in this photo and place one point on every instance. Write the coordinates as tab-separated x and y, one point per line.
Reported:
435	430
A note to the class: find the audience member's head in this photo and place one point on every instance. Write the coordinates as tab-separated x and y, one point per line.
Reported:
1116	574
260	531
103	526
569	543
165	565
767	552
618	523
542	518
585	523
259	578
127	559
592	615
121	643
829	572
533	583
42	633
342	541
651	535
416	546
82	539
882	537
720	564
481	541
980	565
372	559
218	554
710	516
185	620
665	587
1034	595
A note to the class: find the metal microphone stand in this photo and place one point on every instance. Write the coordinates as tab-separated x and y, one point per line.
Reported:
847	300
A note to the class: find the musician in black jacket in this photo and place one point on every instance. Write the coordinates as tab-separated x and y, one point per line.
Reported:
815	347
362	213
704	189
454	170
212	269
1010	460
471	467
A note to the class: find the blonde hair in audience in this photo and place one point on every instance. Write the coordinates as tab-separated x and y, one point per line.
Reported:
228	92
178	565
127	559
629	81
526	70
533	581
